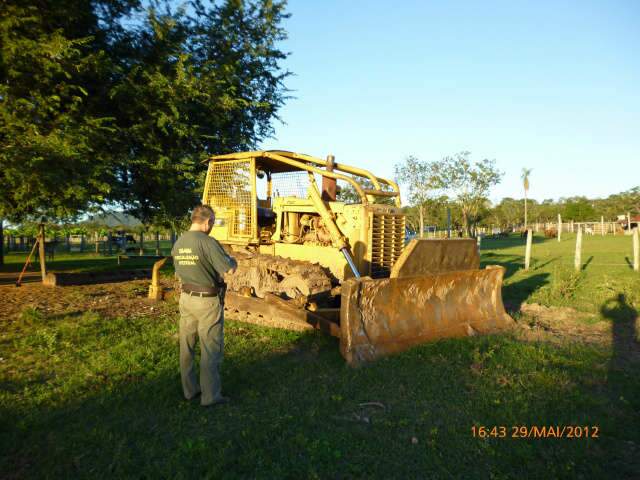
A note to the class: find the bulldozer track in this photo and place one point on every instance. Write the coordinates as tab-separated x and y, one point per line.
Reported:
274	291
293	279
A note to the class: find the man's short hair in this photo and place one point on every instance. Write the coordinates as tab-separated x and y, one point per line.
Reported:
202	213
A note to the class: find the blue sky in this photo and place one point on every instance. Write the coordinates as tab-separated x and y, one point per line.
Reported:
552	86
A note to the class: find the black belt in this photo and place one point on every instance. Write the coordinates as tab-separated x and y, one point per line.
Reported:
199	290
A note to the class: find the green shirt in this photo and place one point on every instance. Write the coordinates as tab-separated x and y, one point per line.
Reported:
200	260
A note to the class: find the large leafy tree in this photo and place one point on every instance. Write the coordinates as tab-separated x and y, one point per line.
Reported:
469	183
54	127
112	102
202	81
417	176
579	209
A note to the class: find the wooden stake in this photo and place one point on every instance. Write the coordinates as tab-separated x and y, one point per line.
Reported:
636	250
1	241
527	253
578	256
602	225
559	227
421	221
41	252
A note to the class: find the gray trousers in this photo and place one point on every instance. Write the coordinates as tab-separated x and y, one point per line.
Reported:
203	318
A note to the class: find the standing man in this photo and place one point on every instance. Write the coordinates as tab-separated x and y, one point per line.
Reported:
200	262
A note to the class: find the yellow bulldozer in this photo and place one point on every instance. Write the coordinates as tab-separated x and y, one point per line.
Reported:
321	244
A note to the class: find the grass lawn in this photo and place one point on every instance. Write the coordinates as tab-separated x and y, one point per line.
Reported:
85	261
552	280
83	396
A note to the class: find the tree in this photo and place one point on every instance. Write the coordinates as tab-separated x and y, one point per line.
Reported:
196	83
507	212
347	194
53	127
434	209
417	176
579	209
97	109
468	183
525	183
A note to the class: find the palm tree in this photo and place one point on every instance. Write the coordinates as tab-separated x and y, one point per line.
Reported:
525	182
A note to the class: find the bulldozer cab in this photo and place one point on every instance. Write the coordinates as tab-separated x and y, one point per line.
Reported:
289	204
242	187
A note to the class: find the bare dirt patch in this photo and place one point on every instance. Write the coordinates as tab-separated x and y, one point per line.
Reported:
537	322
122	299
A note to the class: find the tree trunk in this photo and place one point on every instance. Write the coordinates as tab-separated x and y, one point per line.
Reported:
465	223
157	242
421	221
525	209
141	251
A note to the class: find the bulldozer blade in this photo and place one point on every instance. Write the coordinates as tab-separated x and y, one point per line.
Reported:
424	256
385	316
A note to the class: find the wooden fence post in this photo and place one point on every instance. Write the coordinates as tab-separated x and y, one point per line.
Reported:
602	225
527	253
1	241
559	227
578	256
636	250
629	221
41	252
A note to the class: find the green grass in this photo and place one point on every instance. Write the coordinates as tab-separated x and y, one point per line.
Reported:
84	397
79	262
606	272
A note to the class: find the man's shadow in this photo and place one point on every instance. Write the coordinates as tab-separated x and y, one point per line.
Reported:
621	388
624	338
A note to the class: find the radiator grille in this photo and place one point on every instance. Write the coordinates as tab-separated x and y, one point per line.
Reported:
228	188
387	241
